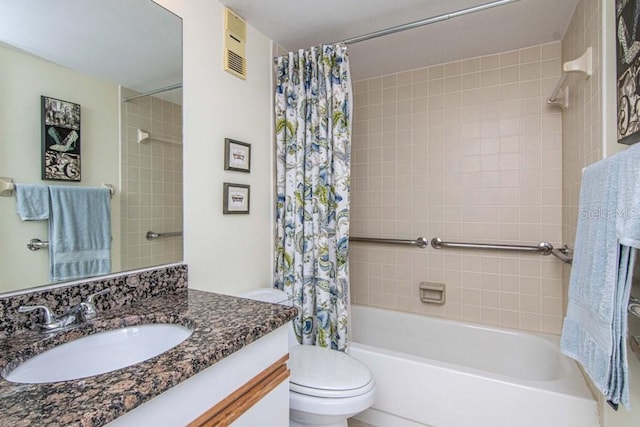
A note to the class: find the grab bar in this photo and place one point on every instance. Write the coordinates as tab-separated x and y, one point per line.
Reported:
420	242
152	235
37	244
543	248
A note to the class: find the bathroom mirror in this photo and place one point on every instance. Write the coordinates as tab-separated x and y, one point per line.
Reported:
94	53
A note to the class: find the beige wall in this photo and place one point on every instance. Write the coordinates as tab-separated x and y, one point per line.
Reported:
467	151
582	124
225	253
24	79
151	181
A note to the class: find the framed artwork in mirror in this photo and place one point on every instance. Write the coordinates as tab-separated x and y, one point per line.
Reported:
628	70
237	156
60	140
236	198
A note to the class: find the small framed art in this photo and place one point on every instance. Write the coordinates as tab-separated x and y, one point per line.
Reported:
236	198
60	140
237	156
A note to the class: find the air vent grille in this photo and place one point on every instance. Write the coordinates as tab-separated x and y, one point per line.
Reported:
235	61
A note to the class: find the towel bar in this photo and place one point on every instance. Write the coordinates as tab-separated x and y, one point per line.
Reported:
8	186
37	244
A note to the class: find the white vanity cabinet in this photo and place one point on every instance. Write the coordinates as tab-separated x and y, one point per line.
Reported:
248	388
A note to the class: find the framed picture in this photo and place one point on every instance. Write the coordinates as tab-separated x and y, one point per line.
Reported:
60	140
236	198
628	71
237	156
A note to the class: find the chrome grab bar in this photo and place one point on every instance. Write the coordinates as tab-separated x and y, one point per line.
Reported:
420	242
152	235
37	244
543	248
564	254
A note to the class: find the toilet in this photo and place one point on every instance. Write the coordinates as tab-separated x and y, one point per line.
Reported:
326	386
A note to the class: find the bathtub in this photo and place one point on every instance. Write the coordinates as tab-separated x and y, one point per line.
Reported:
442	373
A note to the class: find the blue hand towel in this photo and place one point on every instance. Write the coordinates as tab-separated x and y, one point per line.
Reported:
595	328
79	232
32	202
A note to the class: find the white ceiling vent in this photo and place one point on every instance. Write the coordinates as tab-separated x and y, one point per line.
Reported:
235	35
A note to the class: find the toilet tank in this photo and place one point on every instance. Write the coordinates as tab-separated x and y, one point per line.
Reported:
274	296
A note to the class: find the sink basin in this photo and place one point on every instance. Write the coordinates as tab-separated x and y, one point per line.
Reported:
99	353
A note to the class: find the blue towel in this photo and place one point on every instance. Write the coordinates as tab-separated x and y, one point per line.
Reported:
79	232
628	222
595	328
32	202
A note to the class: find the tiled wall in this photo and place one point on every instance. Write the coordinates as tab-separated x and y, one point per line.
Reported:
466	151
582	127
151	181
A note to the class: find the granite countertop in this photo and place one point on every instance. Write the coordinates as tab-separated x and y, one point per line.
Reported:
221	325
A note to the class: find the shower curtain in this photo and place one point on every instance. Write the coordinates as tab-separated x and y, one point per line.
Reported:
313	105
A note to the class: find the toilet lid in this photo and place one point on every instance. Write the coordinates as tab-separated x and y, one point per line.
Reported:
322	372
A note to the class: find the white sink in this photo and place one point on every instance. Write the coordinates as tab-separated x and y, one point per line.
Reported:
99	353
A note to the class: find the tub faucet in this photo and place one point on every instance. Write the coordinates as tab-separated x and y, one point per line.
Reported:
77	314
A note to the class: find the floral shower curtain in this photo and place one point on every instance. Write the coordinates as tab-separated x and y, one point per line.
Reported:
313	136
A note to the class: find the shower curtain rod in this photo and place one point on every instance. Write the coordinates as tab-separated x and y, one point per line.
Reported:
427	21
153	92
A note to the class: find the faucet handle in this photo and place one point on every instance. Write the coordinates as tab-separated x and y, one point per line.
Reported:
90	298
49	316
88	307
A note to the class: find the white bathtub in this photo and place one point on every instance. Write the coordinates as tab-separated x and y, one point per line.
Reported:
442	373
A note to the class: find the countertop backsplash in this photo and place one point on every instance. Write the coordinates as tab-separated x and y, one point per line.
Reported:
126	288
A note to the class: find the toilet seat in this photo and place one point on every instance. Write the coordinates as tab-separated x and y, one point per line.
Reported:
325	373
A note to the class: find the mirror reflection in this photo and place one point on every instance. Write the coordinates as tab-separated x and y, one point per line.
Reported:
96	53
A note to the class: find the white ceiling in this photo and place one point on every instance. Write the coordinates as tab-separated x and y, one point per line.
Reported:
296	24
135	43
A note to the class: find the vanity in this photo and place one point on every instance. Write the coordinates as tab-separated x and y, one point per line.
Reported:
230	370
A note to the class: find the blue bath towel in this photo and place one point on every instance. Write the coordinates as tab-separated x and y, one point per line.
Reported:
595	328
628	221
79	232
32	202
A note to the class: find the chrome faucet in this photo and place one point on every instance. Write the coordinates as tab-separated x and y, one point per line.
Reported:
77	314
88	308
